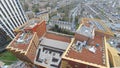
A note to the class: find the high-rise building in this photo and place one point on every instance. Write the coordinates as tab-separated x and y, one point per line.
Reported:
11	16
3	38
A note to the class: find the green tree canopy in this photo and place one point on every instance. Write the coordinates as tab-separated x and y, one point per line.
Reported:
35	8
26	6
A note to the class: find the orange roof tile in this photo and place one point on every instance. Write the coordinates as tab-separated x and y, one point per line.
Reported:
21	46
86	55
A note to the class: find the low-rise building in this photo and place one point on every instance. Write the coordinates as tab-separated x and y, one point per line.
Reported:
88	48
33	44
30	14
61	24
115	27
43	16
45	49
50	50
25	44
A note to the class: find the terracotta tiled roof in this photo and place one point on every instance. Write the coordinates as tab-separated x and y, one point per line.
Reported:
86	55
21	46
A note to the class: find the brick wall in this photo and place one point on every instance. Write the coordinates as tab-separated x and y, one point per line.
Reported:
38	66
58	37
20	56
82	38
40	29
110	59
33	48
70	64
102	34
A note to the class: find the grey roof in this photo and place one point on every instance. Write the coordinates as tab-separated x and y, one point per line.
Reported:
55	43
86	31
98	25
115	26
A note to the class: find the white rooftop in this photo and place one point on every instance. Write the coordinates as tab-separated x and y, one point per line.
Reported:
32	25
115	26
86	31
55	43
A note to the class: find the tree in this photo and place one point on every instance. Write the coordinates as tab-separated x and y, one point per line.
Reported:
35	8
56	26
118	8
76	19
26	6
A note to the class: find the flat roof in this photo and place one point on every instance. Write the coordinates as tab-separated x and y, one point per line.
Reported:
48	57
54	43
29	24
99	24
51	48
86	55
21	41
115	26
86	31
32	23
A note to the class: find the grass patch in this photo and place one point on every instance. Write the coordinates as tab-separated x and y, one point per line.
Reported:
7	57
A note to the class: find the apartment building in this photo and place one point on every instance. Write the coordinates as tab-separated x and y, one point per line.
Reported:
43	15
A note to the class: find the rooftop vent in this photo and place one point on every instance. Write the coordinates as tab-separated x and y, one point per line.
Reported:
21	38
79	45
92	49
